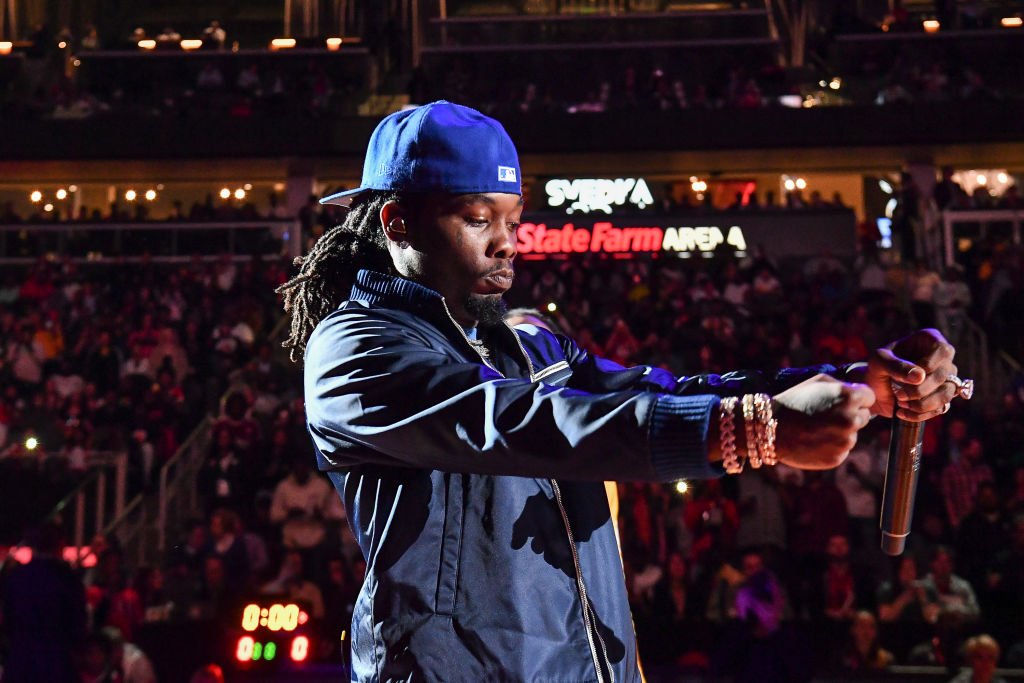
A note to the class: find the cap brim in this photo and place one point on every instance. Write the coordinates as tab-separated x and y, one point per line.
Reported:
343	198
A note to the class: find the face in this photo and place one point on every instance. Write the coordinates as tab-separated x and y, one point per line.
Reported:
864	628
838	548
462	246
942	565
752	564
908	570
676	566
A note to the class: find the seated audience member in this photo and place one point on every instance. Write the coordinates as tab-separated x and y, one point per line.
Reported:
863	652
961	480
838	580
903	598
214	594
96	663
227	544
301	504
292	582
982	654
132	662
941	649
946	592
759	647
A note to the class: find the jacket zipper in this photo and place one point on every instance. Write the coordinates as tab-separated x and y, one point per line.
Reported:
582	588
580	585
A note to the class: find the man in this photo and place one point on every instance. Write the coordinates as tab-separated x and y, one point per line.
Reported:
960	481
470	456
945	591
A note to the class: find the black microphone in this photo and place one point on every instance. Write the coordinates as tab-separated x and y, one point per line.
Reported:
900	484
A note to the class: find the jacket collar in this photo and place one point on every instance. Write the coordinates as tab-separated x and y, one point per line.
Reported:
389	291
379	289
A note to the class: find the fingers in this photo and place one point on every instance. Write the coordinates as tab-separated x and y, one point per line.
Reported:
933	363
908	416
942	351
859	396
935	380
900	370
937	400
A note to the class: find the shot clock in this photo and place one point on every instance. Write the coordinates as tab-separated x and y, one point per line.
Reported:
272	632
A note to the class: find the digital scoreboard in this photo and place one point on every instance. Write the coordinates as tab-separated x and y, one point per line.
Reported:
272	631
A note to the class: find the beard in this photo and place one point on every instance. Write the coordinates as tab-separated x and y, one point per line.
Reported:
488	309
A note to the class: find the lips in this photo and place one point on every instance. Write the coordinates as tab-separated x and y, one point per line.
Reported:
501	278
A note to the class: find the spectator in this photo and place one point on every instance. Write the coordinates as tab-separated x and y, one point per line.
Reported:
301	505
762	523
902	599
961	480
227	544
210	77
946	592
981	536
983	656
215	594
133	664
839	583
859	479
215	35
948	193
864	653
96	664
291	582
952	297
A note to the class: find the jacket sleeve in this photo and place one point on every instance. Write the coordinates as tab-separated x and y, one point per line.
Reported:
379	394
673	395
592	373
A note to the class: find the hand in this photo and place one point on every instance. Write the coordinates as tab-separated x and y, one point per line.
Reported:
819	420
920	365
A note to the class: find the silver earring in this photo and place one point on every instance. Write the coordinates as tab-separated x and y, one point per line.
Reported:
403	245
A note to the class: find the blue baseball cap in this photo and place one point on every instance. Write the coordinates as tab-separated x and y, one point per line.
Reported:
438	147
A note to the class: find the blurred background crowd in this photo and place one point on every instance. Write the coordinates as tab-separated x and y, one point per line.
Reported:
162	168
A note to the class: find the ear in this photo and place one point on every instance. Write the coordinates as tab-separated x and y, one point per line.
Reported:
392	219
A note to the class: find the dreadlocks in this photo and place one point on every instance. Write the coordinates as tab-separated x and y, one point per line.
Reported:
326	273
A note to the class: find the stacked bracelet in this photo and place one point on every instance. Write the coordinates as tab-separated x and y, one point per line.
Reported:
764	427
753	453
759	427
727	435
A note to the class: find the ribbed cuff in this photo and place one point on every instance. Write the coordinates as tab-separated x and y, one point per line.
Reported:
679	435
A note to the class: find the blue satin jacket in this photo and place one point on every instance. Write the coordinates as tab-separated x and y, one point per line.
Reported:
474	485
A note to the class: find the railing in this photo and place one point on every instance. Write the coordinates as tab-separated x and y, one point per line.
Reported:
990	368
178	494
973	360
987	221
158	241
100	497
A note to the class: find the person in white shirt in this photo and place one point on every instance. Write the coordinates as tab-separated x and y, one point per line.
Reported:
133	662
923	282
301	504
952	297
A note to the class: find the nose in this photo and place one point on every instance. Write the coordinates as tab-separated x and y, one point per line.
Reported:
503	244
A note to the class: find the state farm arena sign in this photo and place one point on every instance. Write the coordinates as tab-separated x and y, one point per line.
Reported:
781	234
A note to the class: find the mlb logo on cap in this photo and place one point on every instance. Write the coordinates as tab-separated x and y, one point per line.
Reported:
439	147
